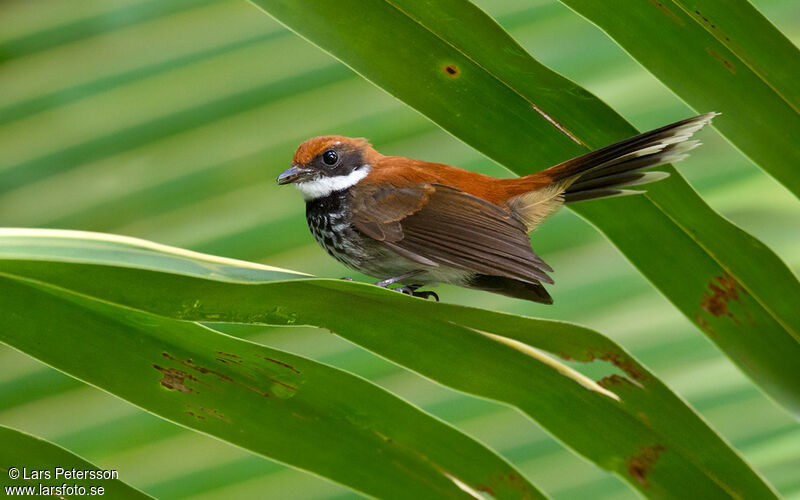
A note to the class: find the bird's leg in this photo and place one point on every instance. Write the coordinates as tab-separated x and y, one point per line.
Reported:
426	295
395	279
408	289
412	290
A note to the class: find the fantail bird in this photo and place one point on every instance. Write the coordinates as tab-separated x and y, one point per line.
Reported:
418	223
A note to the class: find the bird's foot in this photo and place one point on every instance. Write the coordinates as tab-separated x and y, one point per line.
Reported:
426	295
346	279
412	290
407	289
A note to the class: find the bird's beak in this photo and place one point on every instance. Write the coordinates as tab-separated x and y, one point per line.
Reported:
294	174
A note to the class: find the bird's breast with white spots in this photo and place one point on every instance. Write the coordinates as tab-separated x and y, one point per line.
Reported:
329	221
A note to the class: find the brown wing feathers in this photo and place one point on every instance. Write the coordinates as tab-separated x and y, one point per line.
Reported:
455	229
473	234
379	208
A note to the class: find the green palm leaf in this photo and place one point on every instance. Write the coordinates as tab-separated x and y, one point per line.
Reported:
646	434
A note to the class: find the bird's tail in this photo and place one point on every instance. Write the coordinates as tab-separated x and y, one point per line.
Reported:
603	172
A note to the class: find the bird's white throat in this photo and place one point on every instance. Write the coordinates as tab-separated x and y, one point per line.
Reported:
324	186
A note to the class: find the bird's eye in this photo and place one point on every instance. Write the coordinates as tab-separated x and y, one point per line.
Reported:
330	158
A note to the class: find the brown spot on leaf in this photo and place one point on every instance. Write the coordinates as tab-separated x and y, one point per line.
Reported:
713	26
639	466
215	414
201	369
174	379
284	384
704	18
208	412
283	364
627	365
614	379
701	321
228	360
515	481
227	354
668	12
722	60
382	436
624	363
452	70
722	289
485	489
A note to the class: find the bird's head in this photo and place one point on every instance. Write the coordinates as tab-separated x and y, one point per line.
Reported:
323	165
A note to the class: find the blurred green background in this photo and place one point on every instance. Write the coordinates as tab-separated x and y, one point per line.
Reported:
170	121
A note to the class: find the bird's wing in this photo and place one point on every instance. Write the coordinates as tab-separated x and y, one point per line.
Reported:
433	223
379	208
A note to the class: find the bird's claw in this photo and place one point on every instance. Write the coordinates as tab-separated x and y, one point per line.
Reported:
412	291
407	289
426	295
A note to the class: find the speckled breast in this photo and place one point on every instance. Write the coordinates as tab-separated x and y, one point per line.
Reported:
328	219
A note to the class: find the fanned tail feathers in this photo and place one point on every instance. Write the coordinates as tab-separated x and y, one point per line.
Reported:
604	172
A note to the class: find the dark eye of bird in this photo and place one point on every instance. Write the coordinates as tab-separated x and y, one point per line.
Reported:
330	158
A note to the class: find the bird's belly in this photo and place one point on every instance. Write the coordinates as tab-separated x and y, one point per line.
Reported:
384	263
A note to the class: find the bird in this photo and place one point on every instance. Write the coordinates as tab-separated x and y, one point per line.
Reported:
416	224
